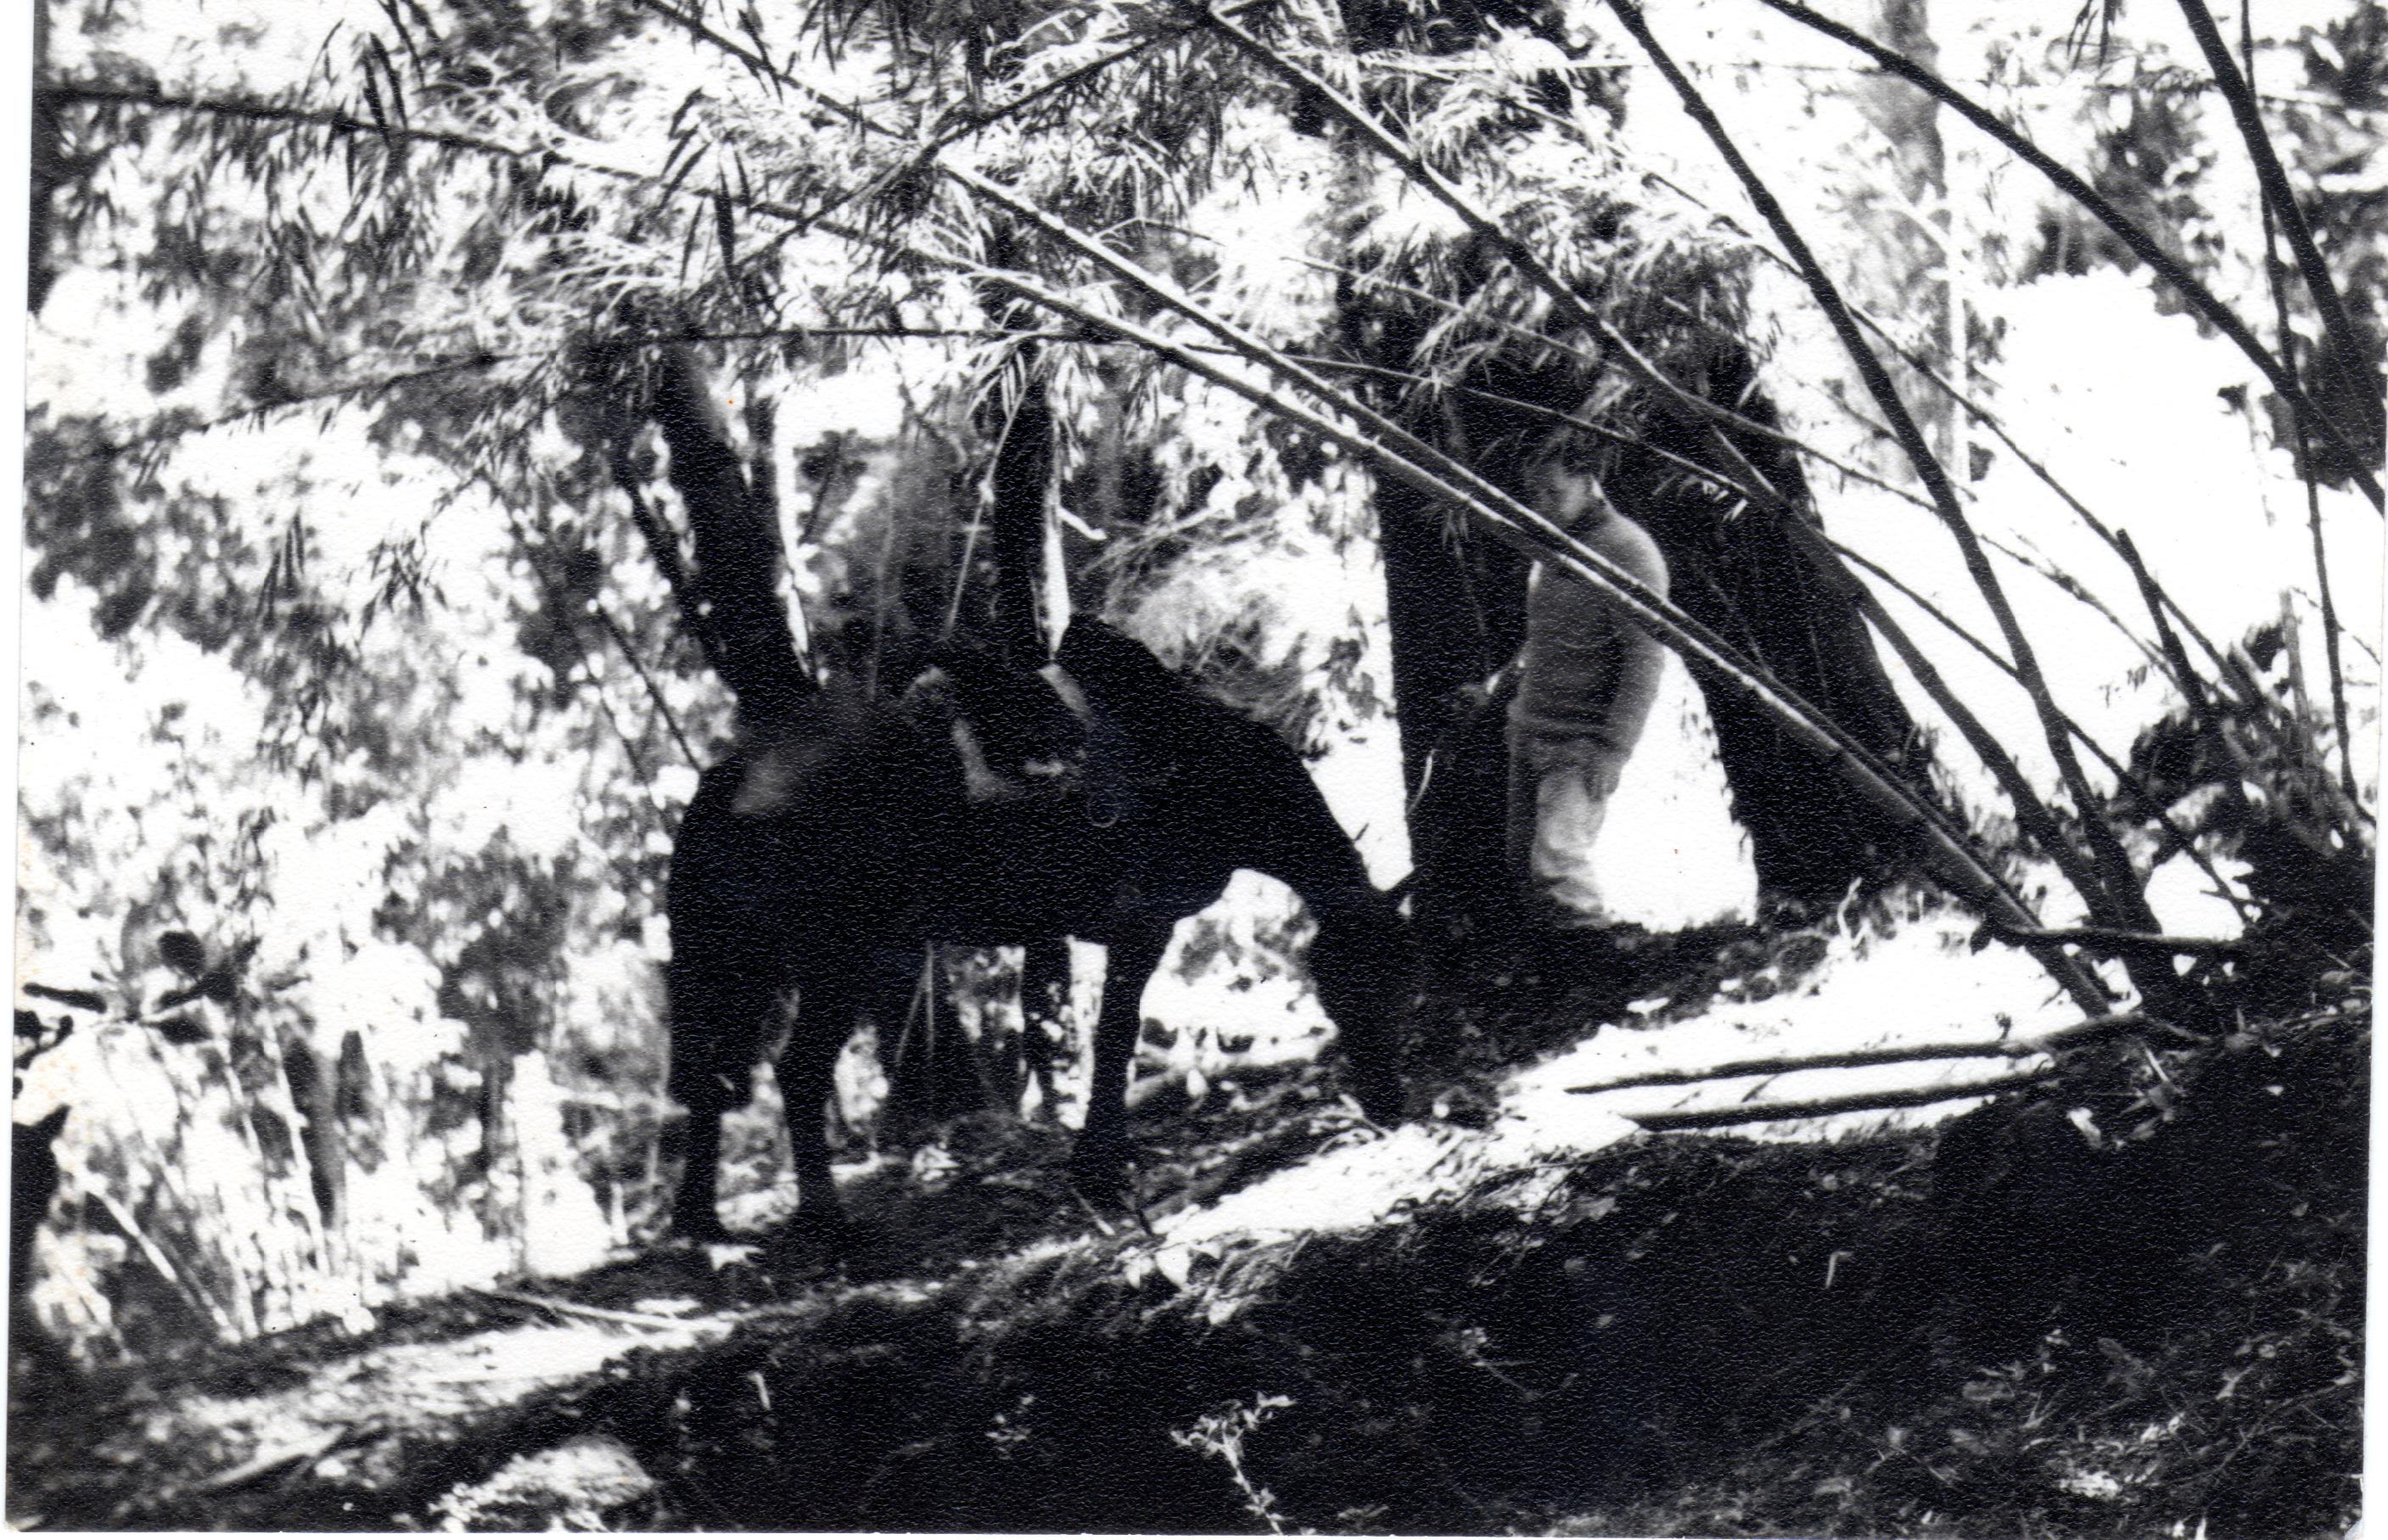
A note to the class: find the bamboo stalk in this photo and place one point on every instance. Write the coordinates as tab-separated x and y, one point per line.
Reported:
2117	894
2259	714
2114	767
1864	1058
2329	627
2106	936
2140	245
1826	1106
265	1462
2035	563
642	1319
2280	201
2034	814
1527	530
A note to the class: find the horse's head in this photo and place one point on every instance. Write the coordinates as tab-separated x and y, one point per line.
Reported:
1366	973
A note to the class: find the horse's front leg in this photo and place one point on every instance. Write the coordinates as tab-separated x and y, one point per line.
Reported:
1134	949
699	1143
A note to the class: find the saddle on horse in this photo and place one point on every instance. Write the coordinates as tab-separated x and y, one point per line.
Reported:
1098	723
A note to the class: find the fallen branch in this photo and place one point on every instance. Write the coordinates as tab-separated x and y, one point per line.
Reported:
2107	938
266	1462
2004	1047
593	1312
1824	1106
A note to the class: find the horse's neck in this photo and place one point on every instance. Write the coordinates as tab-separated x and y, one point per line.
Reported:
1308	852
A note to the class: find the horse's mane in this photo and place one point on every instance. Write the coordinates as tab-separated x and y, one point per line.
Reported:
1123	678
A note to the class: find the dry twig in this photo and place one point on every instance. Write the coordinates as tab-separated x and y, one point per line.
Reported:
1826	1106
2003	1048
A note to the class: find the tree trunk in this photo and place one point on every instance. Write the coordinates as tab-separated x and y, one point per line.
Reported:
736	535
1456	613
1022	483
1738	570
1457	617
1023	474
1915	267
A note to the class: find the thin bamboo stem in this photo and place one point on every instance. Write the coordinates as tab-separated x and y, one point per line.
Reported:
1826	1106
2140	245
2182	838
2280	201
2037	819
2117	895
1865	1057
2330	627
2107	937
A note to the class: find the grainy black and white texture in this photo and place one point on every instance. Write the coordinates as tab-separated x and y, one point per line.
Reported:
1145	767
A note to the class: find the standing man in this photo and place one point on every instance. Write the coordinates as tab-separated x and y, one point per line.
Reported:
1589	674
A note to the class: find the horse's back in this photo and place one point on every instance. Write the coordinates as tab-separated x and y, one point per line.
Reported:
794	835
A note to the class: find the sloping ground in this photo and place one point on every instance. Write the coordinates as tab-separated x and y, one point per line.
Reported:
1509	1318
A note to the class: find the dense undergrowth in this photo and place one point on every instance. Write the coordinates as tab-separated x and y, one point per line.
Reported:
2004	1331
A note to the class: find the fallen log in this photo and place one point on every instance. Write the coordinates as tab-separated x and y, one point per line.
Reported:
1824	1106
2110	939
2003	1047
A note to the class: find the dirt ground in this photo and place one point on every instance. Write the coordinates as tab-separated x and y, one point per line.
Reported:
1997	1326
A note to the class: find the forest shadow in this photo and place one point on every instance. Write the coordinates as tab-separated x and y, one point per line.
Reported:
1996	1328
1991	1331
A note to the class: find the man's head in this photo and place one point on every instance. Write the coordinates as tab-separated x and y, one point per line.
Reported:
1561	484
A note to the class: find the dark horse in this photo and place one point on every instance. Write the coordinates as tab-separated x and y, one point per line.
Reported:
804	866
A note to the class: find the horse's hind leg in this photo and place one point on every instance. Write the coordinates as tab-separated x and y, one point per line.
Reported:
693	1215
807	1069
719	1014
